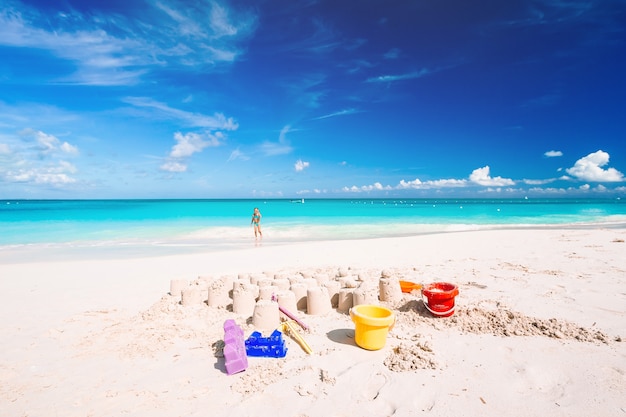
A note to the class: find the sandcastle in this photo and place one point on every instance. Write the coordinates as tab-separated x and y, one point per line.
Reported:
257	298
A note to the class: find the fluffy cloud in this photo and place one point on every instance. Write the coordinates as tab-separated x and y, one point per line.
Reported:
552	154
589	168
425	185
49	143
188	144
51	174
37	159
173	166
374	187
538	182
300	165
481	176
68	149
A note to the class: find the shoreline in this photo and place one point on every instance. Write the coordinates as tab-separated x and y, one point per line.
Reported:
201	242
103	337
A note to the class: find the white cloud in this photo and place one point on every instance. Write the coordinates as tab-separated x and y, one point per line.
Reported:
365	188
68	149
300	165
313	191
161	110
337	113
589	168
65	166
174	166
425	185
273	148
51	174
282	147
416	183
221	23
119	50
400	77
36	159
237	154
45	141
552	154
539	182
481	176
190	143
49	143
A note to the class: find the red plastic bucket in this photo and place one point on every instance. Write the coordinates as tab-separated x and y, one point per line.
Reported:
438	298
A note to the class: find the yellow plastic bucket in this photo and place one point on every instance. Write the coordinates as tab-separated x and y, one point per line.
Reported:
372	323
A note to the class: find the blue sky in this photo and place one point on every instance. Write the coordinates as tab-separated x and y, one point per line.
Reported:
284	98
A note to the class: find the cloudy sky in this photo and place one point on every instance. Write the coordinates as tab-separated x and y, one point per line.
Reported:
285	98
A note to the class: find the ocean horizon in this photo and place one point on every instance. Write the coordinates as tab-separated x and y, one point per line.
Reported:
163	226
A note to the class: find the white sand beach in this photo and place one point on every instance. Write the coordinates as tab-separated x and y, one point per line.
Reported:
538	330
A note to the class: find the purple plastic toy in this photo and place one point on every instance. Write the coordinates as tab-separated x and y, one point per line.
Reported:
234	348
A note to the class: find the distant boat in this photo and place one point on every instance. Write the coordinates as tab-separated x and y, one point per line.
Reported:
301	201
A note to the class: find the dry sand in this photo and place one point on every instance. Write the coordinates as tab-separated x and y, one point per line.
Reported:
538	330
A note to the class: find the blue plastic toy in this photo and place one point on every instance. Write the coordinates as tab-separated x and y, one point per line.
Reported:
271	347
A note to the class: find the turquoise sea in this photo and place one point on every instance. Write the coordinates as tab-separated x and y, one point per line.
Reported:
177	225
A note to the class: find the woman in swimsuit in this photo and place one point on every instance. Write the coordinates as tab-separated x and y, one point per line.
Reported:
256	222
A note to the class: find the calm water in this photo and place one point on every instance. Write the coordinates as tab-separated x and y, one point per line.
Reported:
215	223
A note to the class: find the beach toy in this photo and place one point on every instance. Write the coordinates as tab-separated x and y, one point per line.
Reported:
438	298
372	323
288	327
270	347
290	315
408	286
235	356
286	300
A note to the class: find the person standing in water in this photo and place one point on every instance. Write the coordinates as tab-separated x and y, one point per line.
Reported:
256	222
